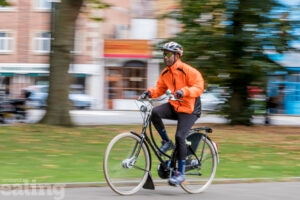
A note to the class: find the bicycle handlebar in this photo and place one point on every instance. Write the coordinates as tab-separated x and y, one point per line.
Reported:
168	94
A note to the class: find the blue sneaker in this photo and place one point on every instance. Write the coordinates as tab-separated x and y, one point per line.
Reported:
166	146
177	179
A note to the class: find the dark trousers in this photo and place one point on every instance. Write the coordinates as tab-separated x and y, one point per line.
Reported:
184	124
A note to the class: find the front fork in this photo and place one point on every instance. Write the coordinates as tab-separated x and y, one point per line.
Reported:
129	162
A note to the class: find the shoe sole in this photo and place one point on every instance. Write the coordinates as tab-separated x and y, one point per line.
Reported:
176	185
171	184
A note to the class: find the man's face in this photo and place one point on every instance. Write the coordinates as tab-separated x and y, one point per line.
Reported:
169	58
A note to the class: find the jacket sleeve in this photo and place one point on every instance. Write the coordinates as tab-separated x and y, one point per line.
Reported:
195	84
159	89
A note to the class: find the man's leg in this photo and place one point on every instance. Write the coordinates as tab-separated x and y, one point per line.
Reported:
185	123
164	111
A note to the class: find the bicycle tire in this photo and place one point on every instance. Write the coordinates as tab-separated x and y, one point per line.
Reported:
122	177
199	176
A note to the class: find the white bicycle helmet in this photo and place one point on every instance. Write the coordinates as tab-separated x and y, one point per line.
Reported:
173	47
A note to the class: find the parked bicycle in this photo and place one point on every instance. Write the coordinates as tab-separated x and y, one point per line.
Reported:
127	161
12	109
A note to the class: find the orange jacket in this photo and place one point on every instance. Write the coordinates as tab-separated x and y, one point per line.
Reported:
180	76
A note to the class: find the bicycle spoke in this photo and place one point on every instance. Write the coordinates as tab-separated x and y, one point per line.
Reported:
139	168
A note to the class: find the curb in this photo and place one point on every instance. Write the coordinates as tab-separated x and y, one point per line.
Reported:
156	182
215	181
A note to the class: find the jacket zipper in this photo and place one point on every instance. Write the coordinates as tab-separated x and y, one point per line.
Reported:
174	84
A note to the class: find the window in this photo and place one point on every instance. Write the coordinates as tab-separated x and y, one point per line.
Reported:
125	82
6	42
143	8
42	42
42	4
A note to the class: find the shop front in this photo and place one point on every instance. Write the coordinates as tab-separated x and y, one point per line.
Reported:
16	77
126	67
284	86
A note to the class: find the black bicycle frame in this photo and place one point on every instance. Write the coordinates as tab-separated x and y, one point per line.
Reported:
150	141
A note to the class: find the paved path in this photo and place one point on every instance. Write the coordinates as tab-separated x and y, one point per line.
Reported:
241	191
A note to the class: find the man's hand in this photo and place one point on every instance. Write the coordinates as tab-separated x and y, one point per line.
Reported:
178	94
145	95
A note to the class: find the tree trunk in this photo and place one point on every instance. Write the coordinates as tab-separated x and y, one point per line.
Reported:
63	28
239	112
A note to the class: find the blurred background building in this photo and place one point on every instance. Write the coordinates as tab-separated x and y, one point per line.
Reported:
25	38
113	60
284	86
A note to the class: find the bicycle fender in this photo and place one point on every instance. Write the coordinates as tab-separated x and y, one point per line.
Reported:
215	148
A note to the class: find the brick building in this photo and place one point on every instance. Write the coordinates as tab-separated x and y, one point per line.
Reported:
112	59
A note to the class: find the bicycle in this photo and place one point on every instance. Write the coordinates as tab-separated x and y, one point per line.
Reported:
128	161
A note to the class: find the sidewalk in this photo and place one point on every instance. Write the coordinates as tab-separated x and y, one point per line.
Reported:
274	119
113	117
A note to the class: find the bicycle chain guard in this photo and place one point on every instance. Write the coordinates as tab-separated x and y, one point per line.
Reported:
163	171
194	139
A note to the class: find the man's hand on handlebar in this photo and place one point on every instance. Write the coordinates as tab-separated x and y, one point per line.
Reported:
178	94
145	95
175	97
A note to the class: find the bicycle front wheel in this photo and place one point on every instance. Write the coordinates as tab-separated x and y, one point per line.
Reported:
199	175
126	164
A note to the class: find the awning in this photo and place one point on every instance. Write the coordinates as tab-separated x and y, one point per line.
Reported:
6	74
127	49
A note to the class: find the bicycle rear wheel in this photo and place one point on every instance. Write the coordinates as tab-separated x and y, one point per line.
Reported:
200	175
125	169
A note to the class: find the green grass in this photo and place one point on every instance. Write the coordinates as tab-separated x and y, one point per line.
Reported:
57	154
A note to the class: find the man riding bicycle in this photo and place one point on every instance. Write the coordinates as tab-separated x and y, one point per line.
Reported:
187	84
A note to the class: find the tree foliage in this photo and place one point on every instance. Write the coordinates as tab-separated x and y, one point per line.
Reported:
227	41
4	3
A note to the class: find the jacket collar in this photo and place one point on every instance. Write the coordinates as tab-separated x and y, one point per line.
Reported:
175	65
